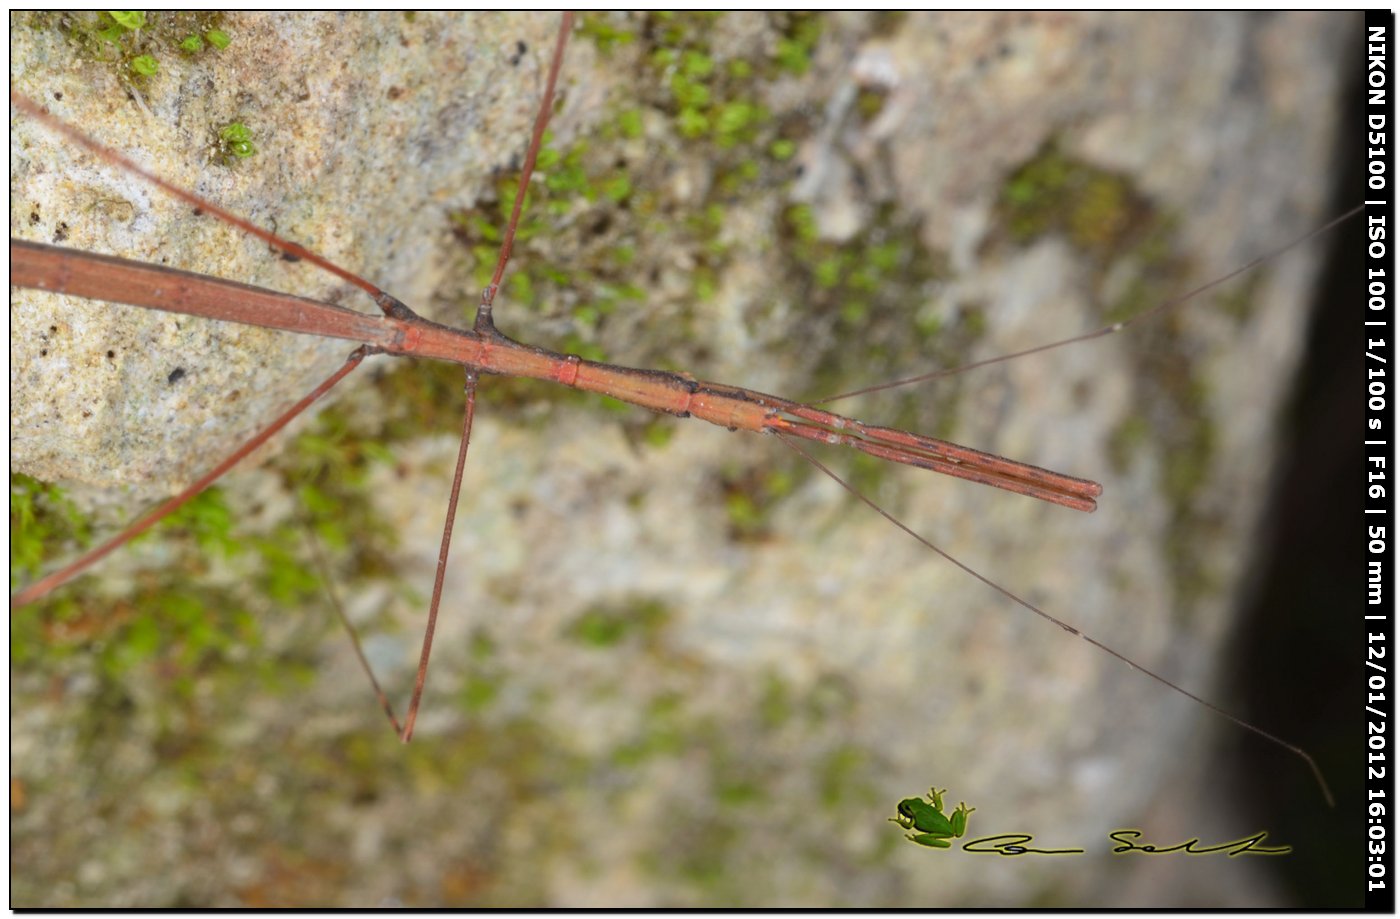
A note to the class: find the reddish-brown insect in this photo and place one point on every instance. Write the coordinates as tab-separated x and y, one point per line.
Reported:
801	662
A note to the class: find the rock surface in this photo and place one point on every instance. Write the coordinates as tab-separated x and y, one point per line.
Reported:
805	678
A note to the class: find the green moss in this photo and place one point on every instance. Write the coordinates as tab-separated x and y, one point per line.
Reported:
479	691
606	625
608	208
144	65
528	780
604	33
236	142
207	520
838	776
1104	216
1095	209
1240	301
159	620
133	42
658	432
195	617
129	20
141	47
750	495
664	731
731	811
796	46
776	704
861	293
889	22
412	398
44	524
870	102
1127	439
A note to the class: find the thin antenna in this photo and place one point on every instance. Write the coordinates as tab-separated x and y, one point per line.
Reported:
1106	330
1297	750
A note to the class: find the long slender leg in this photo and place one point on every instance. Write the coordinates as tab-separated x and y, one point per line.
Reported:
484	324
42	586
483	313
407	733
41	114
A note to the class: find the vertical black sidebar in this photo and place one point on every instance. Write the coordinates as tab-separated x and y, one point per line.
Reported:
1378	523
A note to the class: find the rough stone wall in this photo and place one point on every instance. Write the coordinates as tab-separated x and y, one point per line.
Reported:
803	679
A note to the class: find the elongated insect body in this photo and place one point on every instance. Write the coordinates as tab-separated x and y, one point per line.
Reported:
692	629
